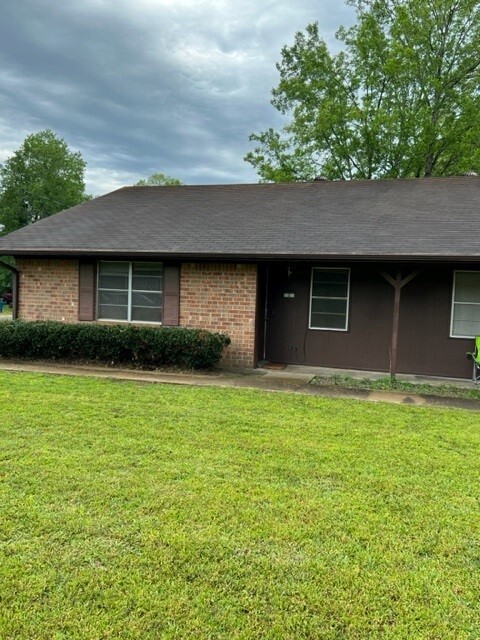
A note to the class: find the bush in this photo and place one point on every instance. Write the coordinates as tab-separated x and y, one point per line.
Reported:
144	347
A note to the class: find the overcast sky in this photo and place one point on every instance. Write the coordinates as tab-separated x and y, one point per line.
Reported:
145	86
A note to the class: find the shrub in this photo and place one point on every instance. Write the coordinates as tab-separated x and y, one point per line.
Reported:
145	347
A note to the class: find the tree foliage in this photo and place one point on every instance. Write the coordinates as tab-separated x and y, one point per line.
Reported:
41	178
400	99
159	180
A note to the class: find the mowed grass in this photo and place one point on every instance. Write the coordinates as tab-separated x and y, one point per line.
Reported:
149	511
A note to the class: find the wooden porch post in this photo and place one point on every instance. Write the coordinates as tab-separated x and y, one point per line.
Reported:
398	285
396	316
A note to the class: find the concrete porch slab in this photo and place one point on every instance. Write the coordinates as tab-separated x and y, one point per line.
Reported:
304	372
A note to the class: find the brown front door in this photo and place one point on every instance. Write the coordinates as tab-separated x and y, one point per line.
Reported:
286	314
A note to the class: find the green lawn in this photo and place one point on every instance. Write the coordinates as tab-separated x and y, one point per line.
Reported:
149	511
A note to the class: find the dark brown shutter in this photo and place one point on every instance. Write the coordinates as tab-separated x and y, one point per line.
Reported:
86	290
171	295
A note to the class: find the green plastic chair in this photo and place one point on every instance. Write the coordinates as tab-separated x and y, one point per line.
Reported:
475	356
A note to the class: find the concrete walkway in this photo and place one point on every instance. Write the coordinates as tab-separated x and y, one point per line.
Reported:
293	379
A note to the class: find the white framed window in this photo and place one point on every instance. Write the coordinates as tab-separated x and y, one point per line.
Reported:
130	291
465	316
329	298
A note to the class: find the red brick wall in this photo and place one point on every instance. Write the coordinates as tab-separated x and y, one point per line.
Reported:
222	297
217	297
48	290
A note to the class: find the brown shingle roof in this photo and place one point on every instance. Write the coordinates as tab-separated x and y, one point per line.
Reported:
424	218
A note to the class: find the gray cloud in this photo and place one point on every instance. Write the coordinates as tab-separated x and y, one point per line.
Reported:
156	85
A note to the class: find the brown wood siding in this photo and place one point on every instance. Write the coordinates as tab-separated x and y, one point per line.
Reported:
171	296
425	346
363	346
86	290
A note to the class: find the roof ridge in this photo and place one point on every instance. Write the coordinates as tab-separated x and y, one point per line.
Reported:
299	183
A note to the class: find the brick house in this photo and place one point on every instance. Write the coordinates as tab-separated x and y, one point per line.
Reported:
338	274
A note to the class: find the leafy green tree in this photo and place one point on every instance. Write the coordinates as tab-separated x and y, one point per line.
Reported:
41	178
400	99
159	180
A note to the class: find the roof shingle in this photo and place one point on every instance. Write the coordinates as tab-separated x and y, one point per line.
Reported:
415	218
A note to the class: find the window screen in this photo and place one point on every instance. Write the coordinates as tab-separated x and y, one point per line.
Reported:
329	299
130	291
466	304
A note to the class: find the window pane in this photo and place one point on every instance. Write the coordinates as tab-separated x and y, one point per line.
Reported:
146	314
147	283
113	268
147	268
327	305
467	286
112	312
113	305
328	289
330	275
328	321
329	298
113	282
330	283
113	275
146	299
113	297
466	320
147	287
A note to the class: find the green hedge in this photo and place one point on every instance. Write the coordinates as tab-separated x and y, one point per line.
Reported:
145	347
